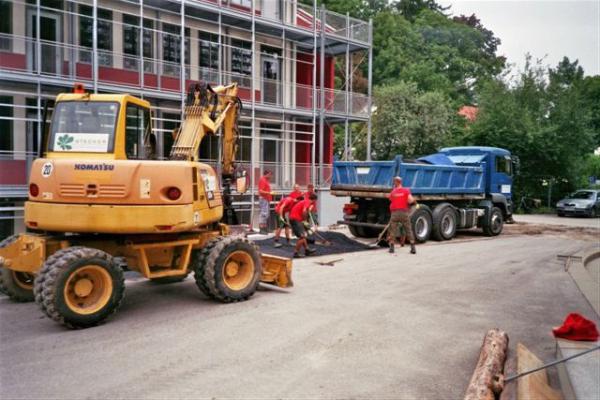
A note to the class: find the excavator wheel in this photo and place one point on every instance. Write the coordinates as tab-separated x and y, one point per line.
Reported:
79	287
228	269
16	285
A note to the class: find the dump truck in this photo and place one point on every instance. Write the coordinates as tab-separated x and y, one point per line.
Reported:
456	188
101	202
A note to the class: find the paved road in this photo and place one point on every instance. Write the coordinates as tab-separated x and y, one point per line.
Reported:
373	326
552	219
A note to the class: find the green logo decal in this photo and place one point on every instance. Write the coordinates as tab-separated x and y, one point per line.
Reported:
64	142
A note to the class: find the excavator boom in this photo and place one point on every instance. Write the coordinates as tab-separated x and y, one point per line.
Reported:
206	111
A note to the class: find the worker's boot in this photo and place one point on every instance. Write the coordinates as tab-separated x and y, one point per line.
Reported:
298	255
413	249
391	250
310	251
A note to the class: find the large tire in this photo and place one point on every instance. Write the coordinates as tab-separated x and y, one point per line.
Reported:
228	269
18	286
444	220
493	222
79	287
354	230
421	223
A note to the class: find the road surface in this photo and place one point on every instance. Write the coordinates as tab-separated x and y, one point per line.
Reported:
373	326
552	219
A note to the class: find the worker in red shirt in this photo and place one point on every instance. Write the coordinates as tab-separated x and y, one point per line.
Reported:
296	193
265	195
299	214
282	208
400	201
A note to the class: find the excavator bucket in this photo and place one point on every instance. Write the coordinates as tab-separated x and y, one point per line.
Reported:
276	271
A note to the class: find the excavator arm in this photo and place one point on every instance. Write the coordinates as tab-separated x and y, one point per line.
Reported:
206	111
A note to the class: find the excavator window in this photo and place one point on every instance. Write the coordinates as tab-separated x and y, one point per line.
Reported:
138	135
83	126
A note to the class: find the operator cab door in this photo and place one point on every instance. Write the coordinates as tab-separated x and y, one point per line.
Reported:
139	143
501	175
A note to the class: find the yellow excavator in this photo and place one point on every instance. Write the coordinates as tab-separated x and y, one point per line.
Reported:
100	203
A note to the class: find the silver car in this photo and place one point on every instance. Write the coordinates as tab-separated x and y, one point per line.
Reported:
582	202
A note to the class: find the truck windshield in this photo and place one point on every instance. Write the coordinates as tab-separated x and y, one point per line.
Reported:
83	126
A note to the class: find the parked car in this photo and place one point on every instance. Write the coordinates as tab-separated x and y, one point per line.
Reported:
582	202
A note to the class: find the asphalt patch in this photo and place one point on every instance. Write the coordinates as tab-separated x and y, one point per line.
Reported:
338	243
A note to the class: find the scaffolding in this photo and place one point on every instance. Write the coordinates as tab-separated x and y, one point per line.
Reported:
157	46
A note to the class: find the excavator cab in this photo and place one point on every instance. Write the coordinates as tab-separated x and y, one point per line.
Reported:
100	126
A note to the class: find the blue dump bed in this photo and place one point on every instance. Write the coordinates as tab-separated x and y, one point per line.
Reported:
423	179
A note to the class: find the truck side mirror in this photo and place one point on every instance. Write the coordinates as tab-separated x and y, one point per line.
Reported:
516	162
241	183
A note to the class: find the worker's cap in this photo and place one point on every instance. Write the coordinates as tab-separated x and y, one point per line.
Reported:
397	179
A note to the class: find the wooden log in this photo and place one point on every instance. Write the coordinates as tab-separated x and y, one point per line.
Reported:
488	379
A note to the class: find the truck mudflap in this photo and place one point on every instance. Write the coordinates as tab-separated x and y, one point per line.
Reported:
276	270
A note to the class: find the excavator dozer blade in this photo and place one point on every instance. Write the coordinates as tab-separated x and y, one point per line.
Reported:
276	270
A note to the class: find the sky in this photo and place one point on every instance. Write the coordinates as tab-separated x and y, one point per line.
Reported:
544	28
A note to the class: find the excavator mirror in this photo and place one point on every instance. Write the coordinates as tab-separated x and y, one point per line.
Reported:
241	183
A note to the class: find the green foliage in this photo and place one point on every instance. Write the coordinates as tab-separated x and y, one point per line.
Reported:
543	120
409	121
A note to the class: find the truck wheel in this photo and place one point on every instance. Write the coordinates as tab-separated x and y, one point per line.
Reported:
228	269
354	230
444	222
79	287
494	222
421	223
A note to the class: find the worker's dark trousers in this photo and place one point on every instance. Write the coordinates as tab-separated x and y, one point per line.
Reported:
400	217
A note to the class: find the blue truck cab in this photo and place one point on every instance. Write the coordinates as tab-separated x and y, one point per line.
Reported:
456	188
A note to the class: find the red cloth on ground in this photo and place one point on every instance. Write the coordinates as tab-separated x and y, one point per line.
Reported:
265	186
577	327
399	199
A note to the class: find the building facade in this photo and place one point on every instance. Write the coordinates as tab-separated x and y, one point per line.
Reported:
293	63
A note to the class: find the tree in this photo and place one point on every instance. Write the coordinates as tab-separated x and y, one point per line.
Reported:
409	121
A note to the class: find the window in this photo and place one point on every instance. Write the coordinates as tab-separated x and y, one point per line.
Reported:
503	165
131	41
86	27
209	56
5	25
137	131
84	126
241	60
172	49
244	149
6	124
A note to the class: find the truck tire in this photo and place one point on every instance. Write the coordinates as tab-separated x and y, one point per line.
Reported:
79	287
421	223
493	222
18	286
444	222
228	269
354	230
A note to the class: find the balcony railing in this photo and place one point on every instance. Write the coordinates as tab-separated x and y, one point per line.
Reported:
71	62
